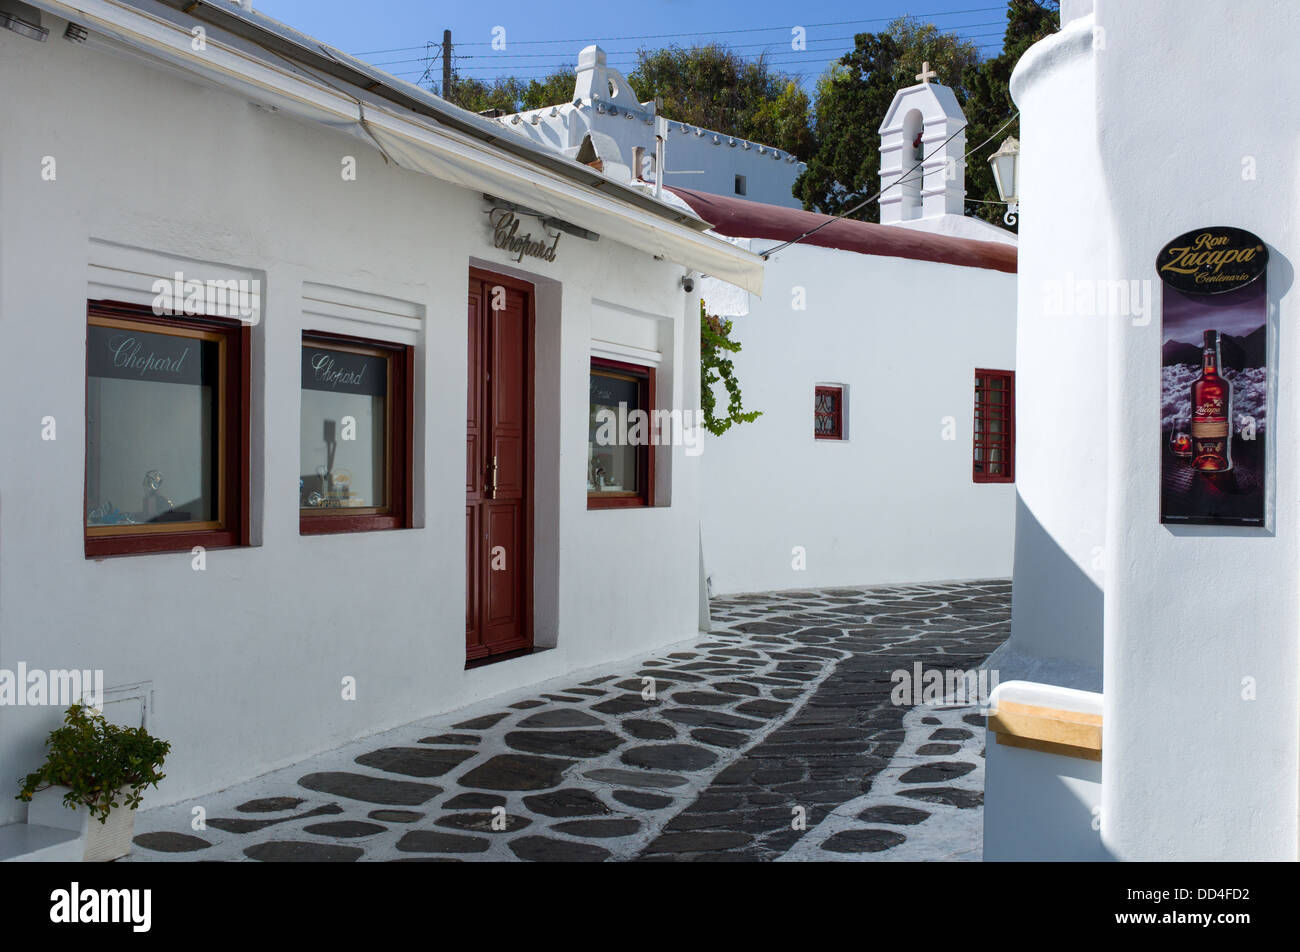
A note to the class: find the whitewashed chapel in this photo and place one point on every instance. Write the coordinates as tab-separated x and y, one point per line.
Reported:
882	356
606	127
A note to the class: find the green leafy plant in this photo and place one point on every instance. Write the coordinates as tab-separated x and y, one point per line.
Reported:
715	365
98	762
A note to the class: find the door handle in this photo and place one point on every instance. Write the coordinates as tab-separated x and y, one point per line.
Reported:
492	486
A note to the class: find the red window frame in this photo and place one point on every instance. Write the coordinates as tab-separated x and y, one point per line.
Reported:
834	418
398	442
644	498
995	402
232	528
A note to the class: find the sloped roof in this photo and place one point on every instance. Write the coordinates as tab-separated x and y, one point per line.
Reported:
272	65
740	218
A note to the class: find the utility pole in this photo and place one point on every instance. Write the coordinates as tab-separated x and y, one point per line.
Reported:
446	64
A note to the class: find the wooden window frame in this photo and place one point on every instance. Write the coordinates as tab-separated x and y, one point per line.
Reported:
231	528
643	499
398	444
838	434
1008	441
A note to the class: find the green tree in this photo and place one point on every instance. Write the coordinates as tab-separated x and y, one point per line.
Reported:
555	90
852	99
511	94
713	86
988	98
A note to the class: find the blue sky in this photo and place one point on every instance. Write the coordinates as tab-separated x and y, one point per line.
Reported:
540	36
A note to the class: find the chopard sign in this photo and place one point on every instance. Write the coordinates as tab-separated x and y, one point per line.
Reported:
505	235
1212	260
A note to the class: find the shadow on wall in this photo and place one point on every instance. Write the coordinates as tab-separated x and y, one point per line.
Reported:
1041	807
1056	612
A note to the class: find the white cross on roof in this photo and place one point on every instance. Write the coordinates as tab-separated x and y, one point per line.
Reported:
926	73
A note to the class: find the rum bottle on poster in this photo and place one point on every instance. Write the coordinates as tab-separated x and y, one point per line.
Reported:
1211	412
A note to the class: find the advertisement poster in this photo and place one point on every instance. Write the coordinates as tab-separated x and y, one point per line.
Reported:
1214	377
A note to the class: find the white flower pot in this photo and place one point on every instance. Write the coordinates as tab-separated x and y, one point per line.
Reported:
104	841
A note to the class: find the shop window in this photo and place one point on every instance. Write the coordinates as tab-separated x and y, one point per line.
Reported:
166	431
355	436
828	413
995	427
620	450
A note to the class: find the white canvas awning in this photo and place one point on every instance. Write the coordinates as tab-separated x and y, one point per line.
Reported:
295	74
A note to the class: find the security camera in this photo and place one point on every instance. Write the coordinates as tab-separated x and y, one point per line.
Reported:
688	284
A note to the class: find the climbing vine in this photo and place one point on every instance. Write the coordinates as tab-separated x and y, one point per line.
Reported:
715	365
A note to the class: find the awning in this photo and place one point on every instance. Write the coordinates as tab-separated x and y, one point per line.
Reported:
276	67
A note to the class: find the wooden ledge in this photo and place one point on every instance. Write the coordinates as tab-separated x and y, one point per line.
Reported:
1047	729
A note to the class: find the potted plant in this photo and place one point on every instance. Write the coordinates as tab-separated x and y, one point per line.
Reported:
94	768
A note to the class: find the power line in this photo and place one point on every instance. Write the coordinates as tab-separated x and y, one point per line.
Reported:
786	28
737	46
803	57
652	36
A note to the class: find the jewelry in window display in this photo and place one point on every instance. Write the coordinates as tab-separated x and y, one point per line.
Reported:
155	503
317	498
342	489
107	514
595	473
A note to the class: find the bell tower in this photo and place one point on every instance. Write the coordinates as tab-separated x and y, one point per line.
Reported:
922	175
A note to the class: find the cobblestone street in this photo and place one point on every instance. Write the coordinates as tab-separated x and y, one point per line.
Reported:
772	738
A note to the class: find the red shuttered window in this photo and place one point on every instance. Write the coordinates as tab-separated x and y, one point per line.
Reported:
995	427
828	413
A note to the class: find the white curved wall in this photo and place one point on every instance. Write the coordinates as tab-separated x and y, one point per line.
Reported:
1184	96
1061	358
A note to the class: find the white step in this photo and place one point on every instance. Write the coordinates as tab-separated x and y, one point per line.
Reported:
23	843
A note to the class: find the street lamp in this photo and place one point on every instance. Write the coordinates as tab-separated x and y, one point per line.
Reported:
1006	175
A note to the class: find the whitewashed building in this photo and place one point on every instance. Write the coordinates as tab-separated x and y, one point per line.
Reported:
882	360
297	420
631	141
882	357
1154	712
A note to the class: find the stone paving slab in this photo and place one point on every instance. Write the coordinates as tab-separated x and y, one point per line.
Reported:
702	751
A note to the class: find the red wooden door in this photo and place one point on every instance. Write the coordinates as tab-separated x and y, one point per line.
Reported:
498	472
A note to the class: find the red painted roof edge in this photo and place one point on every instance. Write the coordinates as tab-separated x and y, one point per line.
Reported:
741	218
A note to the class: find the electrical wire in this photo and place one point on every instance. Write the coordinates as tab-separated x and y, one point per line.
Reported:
656	36
867	201
740	46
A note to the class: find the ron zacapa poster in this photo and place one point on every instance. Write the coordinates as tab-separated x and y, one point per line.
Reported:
1213	378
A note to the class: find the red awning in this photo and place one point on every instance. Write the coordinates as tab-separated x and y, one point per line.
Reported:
739	218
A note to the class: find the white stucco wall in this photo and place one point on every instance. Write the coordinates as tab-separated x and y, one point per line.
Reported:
1056	622
894	502
246	658
697	158
1186	97
1041	805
